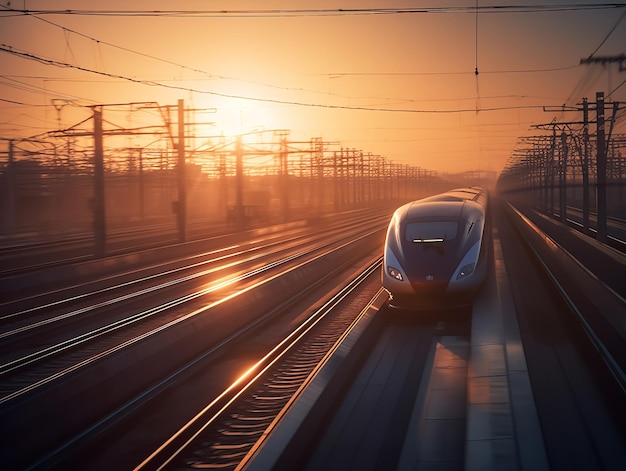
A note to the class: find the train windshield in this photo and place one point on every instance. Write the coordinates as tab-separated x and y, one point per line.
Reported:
431	231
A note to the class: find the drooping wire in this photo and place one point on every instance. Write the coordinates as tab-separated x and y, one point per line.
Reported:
476	61
476	41
585	81
619	20
284	13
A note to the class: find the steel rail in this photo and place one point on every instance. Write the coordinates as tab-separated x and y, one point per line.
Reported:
279	238
75	242
98	292
55	350
86	241
185	439
166	272
617	225
613	366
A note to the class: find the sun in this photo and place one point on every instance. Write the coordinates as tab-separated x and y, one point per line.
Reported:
235	117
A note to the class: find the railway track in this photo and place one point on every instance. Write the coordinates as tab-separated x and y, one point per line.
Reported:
30	254
518	316
616	227
27	255
225	433
253	267
236	413
191	300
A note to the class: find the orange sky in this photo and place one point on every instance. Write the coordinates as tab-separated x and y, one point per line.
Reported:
398	85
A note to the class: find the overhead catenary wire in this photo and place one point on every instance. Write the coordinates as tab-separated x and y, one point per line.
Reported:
476	45
476	61
616	88
608	35
99	42
159	59
402	106
53	62
585	81
214	76
281	13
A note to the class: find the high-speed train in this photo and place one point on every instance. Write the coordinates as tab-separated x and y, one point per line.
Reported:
436	250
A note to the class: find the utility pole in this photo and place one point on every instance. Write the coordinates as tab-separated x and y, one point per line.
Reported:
601	164
551	170
283	176
240	217
550	167
141	187
181	204
600	169
563	178
317	182
585	165
8	213
99	215
336	183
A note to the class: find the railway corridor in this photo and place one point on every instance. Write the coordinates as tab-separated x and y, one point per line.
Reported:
512	383
515	384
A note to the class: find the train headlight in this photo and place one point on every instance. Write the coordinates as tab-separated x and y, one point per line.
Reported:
465	270
394	273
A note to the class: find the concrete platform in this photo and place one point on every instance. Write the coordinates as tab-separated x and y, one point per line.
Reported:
503	431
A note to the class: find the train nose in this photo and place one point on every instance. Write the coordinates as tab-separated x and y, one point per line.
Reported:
429	289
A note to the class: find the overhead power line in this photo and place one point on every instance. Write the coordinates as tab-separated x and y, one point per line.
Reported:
159	59
14	102
261	13
418	74
619	20
213	76
29	56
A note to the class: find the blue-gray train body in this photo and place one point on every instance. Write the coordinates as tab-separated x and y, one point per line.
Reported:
436	250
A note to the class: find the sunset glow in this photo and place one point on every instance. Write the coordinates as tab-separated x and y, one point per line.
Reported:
402	85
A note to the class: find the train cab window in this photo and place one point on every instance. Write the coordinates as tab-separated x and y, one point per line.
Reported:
431	231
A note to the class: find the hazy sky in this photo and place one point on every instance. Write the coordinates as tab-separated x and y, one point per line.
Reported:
399	84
